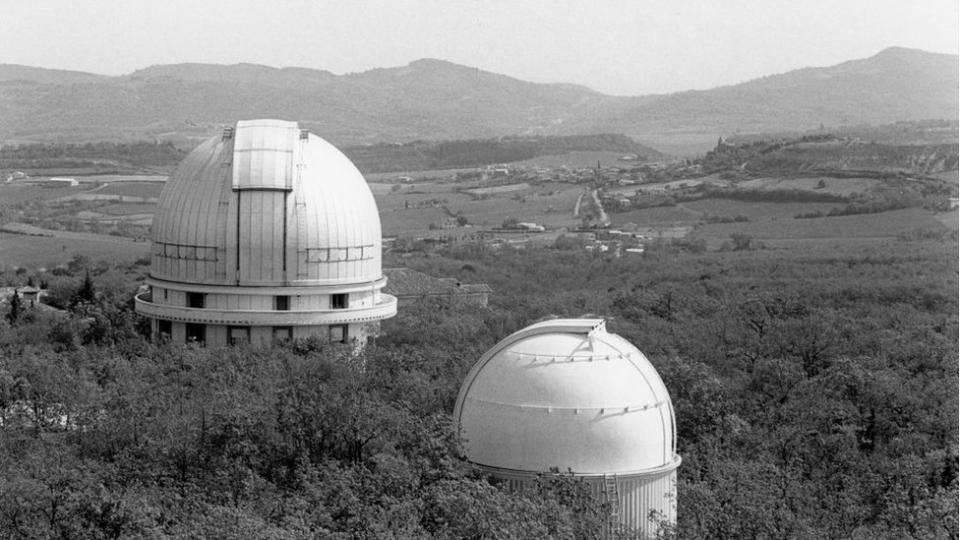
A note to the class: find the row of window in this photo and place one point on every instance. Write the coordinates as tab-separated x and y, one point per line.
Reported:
197	333
207	253
183	251
280	303
360	253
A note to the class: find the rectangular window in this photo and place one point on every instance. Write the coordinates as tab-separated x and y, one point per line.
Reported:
164	329
238	334
282	333
166	294
338	333
195	300
281	303
339	301
196	333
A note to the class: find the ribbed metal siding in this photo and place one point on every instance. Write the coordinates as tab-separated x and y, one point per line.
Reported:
184	229
338	224
639	494
261	237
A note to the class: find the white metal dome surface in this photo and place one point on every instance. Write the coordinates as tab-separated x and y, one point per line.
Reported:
270	205
567	394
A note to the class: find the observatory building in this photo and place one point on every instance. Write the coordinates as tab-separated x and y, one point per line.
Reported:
567	395
266	232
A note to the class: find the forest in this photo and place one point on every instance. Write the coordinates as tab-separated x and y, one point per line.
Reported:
815	392
102	156
425	155
139	156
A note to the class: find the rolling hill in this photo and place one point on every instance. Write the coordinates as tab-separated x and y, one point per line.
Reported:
438	100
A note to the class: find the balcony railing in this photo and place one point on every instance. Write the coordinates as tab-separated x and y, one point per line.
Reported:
385	308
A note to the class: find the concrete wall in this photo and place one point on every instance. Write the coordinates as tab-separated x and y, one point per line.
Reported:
309	314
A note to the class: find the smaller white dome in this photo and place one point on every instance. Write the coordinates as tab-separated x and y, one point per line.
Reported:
566	393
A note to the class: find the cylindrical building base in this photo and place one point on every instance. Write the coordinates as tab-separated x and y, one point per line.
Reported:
643	501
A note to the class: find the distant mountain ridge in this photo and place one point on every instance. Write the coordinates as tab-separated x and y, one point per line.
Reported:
432	99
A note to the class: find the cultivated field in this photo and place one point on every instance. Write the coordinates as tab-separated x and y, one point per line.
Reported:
18	193
576	160
834	186
122	178
497	190
428	205
413	208
951	177
406	222
133	189
42	251
660	215
884	225
755	210
126	209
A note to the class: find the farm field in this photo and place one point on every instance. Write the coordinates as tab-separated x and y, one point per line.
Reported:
496	190
951	177
664	186
121	178
833	186
126	209
142	219
577	159
43	251
398	221
133	189
756	210
402	200
379	188
414	207
660	215
884	225
437	175
951	220
550	211
18	193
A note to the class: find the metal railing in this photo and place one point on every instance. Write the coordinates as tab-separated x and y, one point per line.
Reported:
385	308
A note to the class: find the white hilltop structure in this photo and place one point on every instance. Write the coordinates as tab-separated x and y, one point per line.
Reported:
567	395
266	232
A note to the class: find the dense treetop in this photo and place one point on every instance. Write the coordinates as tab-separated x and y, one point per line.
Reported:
815	392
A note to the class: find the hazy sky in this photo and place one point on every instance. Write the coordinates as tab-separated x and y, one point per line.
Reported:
614	46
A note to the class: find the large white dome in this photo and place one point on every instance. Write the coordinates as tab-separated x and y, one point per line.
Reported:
266	204
567	394
263	234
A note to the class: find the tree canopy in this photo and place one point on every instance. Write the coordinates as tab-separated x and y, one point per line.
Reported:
815	393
